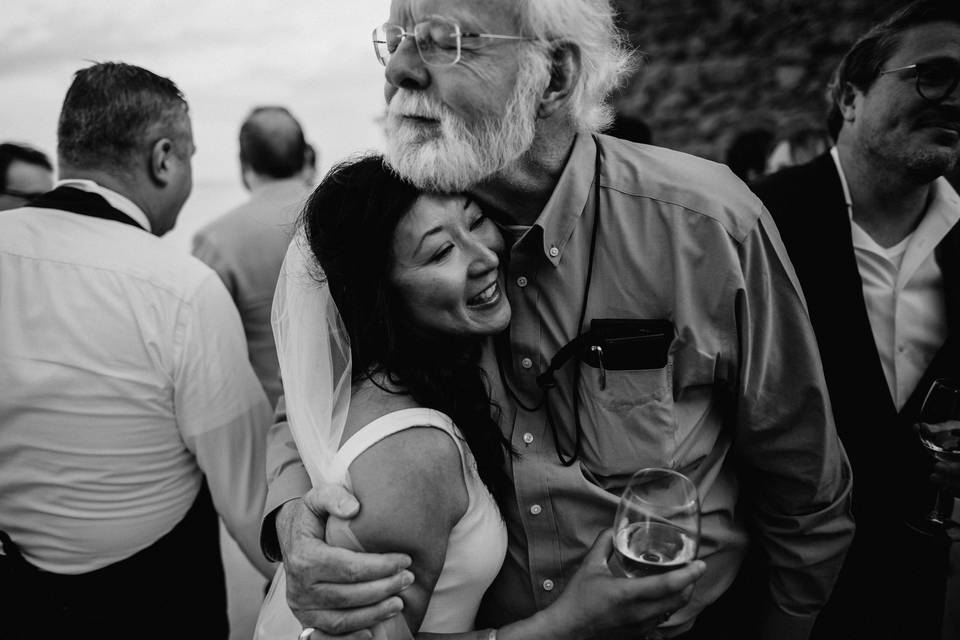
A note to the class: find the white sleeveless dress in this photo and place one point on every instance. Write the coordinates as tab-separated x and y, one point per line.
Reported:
475	548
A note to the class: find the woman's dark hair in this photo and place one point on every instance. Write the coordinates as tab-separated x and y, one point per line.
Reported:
349	222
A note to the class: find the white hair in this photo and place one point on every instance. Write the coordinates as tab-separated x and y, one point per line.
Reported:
605	55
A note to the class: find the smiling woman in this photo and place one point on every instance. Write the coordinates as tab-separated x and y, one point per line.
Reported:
447	254
416	281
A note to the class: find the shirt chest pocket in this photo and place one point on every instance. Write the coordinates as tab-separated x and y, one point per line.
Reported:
627	419
649	417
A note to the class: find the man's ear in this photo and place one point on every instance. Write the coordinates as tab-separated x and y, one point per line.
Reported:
565	71
848	102
160	161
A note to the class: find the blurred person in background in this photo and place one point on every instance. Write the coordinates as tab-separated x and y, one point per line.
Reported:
246	245
309	172
628	127
129	416
872	229
747	153
800	146
25	173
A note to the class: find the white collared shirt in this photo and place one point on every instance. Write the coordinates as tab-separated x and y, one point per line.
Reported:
123	378
903	289
114	199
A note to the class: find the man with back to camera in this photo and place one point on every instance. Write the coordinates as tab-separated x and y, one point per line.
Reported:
500	99
246	246
872	229
25	173
128	402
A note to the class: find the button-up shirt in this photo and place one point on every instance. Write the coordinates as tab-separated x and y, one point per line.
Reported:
246	247
903	289
679	239
123	380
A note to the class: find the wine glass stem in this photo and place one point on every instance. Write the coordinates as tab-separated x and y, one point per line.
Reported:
942	508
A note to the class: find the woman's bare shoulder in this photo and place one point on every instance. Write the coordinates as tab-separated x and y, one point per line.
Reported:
370	401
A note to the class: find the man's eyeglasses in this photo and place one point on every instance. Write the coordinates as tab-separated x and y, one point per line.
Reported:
935	80
439	41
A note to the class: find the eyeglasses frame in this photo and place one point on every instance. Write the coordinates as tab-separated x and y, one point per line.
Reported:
916	66
459	35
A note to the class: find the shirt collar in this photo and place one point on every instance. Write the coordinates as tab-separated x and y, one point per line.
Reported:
943	208
843	181
117	201
568	200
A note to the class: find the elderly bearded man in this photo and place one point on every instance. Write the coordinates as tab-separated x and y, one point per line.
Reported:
501	99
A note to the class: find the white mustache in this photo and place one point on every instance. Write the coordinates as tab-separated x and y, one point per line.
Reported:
406	103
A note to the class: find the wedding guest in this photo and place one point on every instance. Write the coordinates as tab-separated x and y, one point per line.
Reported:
25	173
747	153
872	227
500	99
129	417
246	245
799	146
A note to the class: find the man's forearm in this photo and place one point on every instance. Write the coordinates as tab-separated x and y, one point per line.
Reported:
287	478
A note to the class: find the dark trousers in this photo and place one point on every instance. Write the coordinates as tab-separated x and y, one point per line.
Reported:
174	588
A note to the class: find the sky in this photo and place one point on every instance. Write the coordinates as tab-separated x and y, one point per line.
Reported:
312	56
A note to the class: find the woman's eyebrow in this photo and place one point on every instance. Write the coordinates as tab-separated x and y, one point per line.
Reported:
424	237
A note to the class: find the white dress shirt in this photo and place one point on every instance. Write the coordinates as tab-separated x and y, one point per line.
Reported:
903	289
123	378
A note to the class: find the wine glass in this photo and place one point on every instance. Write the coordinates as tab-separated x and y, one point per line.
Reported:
657	527
939	428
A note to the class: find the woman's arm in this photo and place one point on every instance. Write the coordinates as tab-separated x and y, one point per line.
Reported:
411	490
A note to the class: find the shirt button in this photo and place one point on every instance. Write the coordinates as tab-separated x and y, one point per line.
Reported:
536	509
522	281
528	438
526	363
554	252
548	585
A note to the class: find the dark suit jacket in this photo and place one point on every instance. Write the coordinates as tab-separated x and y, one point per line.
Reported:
892	584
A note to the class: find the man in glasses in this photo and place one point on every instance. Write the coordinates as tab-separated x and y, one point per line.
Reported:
871	227
710	358
24	174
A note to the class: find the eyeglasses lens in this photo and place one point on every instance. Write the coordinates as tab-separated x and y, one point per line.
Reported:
386	39
936	81
438	41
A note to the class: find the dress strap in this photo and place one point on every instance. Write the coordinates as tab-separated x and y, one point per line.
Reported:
387	425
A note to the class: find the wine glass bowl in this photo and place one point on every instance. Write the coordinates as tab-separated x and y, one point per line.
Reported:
938	426
657	526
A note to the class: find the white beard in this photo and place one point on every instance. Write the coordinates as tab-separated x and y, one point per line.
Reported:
456	157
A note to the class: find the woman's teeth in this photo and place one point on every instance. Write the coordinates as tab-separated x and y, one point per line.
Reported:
485	296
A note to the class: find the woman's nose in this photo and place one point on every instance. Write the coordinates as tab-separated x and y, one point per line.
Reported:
485	259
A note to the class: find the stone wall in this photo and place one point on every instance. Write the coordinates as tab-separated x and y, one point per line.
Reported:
712	68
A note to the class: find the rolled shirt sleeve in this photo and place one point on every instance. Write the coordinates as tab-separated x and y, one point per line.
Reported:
797	473
287	478
222	412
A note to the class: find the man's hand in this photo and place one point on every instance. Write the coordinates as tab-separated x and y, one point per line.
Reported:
946	474
597	603
334	590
